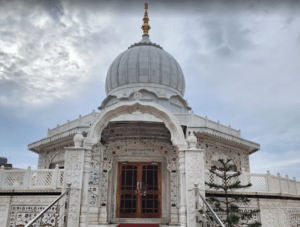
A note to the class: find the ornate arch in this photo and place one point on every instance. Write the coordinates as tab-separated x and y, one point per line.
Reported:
171	122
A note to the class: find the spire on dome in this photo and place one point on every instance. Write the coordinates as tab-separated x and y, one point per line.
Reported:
146	27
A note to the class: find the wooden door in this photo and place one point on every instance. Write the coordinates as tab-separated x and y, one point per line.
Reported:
139	190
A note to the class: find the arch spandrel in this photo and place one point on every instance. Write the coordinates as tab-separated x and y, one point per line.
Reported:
170	121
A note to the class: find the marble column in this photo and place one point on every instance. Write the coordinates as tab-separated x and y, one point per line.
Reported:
74	168
85	187
182	209
194	162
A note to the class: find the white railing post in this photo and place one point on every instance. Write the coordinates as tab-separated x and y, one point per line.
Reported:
243	176
27	178
288	183
192	118
55	177
269	181
280	185
296	192
2	176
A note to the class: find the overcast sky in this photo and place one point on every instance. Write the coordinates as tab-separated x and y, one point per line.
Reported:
240	61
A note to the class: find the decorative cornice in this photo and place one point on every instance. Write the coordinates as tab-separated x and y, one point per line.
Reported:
35	145
205	130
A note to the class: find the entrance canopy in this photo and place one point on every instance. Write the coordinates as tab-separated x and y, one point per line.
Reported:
171	122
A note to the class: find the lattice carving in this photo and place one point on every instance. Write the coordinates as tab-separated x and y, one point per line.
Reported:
42	179
61	178
14	179
114	148
21	215
209	178
232	180
259	183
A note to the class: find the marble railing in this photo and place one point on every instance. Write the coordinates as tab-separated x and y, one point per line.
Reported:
31	179
81	121
261	182
192	119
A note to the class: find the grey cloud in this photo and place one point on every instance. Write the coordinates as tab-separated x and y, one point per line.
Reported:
224	52
47	59
215	34
226	30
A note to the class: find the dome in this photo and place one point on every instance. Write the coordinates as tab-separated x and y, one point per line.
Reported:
145	65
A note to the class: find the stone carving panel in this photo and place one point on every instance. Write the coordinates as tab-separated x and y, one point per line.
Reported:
45	157
94	172
21	215
286	213
270	217
239	158
3	218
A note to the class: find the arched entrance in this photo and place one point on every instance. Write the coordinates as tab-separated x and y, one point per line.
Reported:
114	158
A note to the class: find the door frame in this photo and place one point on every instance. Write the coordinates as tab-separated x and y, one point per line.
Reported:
139	200
112	189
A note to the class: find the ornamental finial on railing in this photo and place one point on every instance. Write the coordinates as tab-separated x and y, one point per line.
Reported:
146	27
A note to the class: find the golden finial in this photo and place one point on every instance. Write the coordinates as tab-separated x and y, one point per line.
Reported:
146	27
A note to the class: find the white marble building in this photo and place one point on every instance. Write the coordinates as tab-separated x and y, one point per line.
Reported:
141	156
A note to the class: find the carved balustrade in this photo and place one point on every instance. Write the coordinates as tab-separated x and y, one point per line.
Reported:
31	179
260	182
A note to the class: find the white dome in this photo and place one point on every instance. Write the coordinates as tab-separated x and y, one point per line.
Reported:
145	65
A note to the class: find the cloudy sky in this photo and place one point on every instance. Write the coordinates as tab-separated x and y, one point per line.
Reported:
240	61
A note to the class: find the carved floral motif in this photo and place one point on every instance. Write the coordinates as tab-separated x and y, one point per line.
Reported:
94	172
21	215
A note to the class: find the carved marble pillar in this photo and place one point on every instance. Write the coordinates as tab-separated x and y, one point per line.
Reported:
85	187
182	210
74	168
194	162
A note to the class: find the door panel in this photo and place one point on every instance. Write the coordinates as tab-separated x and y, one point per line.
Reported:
139	190
151	184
